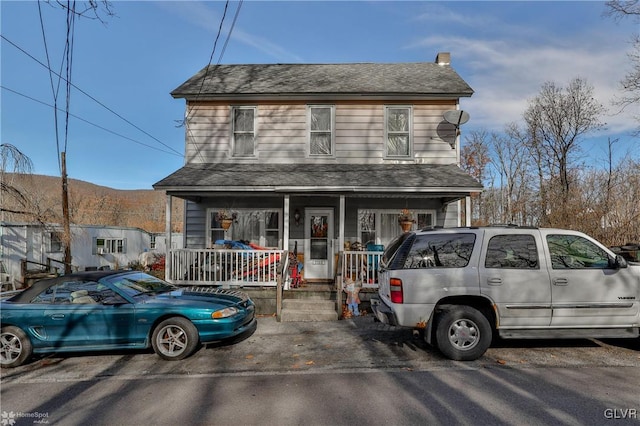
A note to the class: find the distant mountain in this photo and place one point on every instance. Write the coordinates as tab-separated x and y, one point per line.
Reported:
39	198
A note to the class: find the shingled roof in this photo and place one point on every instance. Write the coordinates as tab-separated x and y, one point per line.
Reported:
355	178
419	79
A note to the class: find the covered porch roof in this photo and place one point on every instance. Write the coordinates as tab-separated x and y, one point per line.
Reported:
433	180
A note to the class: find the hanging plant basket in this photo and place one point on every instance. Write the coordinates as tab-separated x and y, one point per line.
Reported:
226	223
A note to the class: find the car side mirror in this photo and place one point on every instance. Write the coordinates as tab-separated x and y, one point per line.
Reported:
619	262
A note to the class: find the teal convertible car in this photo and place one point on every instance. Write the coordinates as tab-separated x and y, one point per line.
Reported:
106	310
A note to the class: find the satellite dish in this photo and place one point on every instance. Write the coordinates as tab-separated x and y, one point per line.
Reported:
456	117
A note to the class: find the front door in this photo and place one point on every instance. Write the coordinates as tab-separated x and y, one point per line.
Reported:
318	251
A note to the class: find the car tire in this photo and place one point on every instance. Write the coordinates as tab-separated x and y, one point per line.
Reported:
15	347
463	333
175	339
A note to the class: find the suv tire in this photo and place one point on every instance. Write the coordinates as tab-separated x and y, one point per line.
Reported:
463	333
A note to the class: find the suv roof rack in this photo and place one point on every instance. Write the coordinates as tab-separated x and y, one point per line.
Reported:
511	225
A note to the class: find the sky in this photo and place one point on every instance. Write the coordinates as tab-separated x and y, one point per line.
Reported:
124	127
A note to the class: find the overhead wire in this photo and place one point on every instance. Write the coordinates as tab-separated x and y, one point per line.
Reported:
208	68
69	67
90	123
53	86
88	95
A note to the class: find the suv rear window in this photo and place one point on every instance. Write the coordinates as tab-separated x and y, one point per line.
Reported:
392	249
440	251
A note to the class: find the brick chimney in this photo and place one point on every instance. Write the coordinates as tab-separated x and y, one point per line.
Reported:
443	58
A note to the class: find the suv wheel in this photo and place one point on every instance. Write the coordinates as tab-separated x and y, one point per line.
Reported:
463	333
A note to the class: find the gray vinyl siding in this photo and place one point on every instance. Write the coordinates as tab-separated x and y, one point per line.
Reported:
282	134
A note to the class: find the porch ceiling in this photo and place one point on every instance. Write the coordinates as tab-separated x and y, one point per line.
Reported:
435	180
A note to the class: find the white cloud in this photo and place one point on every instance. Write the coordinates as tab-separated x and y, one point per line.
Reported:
202	15
506	73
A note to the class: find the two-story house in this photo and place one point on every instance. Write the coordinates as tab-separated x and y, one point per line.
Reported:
316	157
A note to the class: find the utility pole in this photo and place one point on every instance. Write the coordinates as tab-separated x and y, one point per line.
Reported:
65	214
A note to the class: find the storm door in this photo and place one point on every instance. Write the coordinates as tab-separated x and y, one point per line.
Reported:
318	253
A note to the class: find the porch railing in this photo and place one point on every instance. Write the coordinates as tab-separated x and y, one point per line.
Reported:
361	266
225	267
258	267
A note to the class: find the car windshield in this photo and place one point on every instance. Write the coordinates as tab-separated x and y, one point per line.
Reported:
140	284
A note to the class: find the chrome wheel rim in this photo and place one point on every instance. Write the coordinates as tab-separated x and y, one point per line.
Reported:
464	334
172	340
10	348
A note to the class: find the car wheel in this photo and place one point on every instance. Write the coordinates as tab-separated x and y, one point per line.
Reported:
175	338
15	347
463	333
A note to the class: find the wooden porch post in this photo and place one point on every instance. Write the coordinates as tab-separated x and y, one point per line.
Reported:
341	215
285	224
467	215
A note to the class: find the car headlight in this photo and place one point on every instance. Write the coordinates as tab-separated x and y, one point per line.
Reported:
224	313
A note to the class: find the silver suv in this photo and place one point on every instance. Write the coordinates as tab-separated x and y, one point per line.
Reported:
462	286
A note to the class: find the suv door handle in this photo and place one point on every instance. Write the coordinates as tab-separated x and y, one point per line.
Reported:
560	281
494	281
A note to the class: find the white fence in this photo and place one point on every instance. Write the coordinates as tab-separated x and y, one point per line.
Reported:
257	267
361	266
224	267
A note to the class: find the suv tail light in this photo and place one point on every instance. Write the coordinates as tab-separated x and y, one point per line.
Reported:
395	285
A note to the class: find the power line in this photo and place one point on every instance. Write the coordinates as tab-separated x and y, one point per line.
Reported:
224	48
89	96
89	122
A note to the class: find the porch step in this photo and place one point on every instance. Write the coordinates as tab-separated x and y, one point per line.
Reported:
294	310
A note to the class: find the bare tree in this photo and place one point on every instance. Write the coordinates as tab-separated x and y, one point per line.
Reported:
623	8
13	161
630	84
511	162
92	9
474	158
557	119
73	9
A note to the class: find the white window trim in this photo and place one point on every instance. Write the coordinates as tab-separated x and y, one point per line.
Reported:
332	130
262	242
233	132
386	131
108	244
378	220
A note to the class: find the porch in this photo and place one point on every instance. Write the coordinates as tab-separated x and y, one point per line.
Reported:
320	212
262	268
273	280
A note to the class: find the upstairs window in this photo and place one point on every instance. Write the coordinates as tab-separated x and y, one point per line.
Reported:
244	131
321	124
398	131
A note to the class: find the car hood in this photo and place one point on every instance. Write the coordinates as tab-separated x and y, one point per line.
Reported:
202	296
